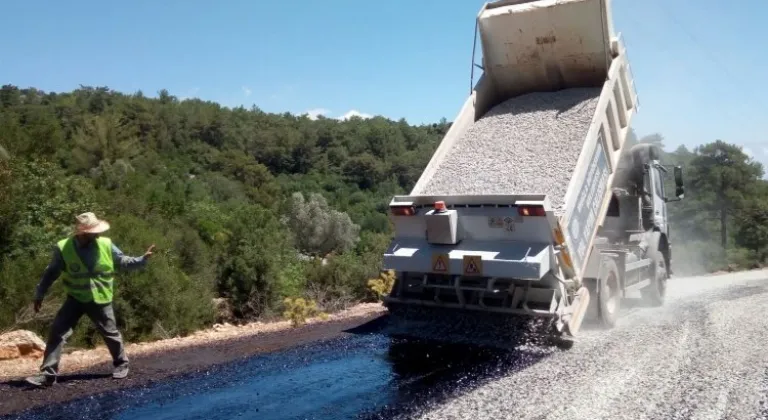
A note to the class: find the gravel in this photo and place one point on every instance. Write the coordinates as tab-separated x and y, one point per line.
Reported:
701	356
526	145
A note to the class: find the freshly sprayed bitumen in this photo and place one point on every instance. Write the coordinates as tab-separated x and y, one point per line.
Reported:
700	356
526	145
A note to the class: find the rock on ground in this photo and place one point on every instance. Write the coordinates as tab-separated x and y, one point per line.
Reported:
20	343
526	145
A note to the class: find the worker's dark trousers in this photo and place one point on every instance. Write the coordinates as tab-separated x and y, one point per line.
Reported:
103	317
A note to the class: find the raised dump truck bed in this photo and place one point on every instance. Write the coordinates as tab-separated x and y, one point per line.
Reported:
505	215
574	126
557	137
528	144
539	46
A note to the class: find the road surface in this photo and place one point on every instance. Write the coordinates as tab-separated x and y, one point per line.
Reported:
700	356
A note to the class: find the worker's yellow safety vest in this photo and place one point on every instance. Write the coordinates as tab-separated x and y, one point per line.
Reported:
82	284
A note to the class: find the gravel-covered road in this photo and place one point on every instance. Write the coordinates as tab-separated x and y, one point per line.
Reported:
701	356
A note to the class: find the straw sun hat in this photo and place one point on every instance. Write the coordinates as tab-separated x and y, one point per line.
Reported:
89	223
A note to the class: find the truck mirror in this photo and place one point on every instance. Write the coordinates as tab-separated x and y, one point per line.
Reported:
679	190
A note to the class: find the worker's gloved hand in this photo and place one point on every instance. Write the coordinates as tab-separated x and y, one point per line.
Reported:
37	305
149	251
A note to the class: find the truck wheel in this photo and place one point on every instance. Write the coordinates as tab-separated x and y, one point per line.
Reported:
657	291
609	294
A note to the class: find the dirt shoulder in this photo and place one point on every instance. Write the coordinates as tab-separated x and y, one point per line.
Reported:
88	372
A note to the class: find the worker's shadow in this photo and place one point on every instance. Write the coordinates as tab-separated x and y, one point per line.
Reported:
62	379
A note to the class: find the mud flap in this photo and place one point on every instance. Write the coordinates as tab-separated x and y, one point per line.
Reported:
579	305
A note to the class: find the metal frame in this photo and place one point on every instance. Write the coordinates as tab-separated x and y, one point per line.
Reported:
557	304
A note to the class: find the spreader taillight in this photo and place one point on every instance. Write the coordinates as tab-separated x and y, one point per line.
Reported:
407	210
531	210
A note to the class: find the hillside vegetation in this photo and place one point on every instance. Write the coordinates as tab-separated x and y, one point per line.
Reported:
243	205
249	208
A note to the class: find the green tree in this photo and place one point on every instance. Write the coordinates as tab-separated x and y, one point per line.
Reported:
104	138
752	223
318	229
722	177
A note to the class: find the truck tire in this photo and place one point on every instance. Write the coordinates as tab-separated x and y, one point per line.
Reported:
655	293
608	294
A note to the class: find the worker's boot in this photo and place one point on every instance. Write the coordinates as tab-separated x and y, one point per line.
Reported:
41	380
120	372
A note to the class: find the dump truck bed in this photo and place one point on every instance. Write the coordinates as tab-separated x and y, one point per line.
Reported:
528	144
549	117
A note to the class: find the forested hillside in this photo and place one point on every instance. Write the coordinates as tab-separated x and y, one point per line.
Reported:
241	204
255	207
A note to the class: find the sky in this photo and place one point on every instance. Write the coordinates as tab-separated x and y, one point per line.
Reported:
699	65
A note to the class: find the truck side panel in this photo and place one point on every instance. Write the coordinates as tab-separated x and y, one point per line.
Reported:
589	191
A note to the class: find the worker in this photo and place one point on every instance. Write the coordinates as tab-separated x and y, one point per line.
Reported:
86	261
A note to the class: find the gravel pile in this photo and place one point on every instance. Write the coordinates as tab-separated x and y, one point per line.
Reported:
526	145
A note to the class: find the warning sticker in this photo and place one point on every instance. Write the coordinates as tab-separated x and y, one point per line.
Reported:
509	224
495	222
473	265
440	263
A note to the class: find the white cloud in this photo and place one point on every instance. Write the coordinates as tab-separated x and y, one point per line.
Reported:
314	113
747	151
247	91
354	113
765	151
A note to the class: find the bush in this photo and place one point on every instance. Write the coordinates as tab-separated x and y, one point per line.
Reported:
339	281
382	285
297	310
743	259
254	261
318	229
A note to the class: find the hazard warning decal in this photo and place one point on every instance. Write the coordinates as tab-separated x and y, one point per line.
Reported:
473	265
440	263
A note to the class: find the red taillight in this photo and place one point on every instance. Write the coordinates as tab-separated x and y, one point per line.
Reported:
402	210
531	211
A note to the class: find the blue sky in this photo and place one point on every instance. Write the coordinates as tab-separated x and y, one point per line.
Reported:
699	66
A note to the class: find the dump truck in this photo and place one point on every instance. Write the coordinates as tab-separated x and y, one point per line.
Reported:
560	250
